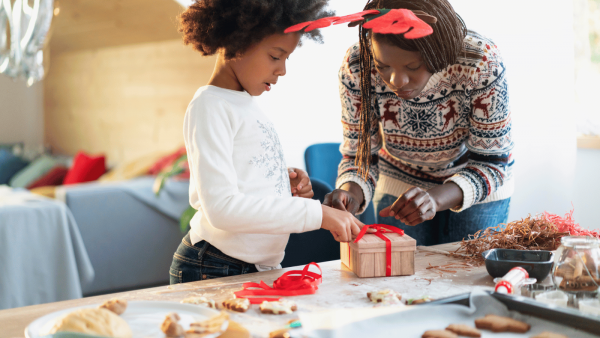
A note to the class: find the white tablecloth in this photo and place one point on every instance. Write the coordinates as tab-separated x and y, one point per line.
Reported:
42	256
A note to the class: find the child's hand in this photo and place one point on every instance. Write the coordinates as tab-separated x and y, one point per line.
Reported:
300	183
343	226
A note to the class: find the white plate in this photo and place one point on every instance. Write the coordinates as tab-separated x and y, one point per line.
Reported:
144	317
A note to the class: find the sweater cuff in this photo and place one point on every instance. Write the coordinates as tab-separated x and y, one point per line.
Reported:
468	192
314	215
366	190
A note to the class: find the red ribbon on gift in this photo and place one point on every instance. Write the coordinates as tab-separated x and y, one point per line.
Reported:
380	229
291	283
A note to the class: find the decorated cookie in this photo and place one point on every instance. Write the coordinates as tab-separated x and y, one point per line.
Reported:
501	324
237	304
386	296
549	335
170	325
115	305
415	301
278	308
439	334
209	326
464	330
203	301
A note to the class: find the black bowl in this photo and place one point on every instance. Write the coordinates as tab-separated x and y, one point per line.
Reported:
537	263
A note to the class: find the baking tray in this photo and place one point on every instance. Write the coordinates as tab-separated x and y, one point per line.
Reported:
565	316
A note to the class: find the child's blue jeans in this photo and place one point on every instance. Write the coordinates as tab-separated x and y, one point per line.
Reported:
203	261
447	226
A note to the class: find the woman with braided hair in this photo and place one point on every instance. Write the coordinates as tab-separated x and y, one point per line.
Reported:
427	127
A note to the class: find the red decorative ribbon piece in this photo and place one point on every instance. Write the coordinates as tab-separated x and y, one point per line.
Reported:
398	21
291	283
392	21
380	229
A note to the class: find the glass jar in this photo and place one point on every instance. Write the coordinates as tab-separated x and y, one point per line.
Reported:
577	264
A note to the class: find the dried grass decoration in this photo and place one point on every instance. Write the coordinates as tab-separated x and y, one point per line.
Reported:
542	232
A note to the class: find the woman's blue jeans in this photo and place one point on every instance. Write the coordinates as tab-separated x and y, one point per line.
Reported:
447	226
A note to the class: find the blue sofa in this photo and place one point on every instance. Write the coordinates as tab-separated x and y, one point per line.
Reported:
130	242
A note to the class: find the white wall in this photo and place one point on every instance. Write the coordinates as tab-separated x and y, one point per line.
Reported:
587	188
539	55
535	38
21	112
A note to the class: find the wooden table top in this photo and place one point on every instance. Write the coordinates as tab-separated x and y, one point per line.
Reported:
341	288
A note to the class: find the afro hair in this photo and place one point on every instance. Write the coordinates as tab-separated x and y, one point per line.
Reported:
236	25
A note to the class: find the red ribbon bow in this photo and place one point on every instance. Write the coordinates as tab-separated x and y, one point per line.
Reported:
380	229
291	283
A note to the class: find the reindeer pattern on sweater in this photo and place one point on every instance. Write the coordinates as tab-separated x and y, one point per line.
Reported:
458	128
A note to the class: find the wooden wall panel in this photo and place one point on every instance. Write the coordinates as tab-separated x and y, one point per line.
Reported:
124	101
86	24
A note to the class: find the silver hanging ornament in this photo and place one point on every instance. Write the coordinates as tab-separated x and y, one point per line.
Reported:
23	31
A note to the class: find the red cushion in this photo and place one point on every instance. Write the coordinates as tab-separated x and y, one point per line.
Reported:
55	176
85	169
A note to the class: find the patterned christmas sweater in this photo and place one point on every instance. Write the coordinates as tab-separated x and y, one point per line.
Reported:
458	129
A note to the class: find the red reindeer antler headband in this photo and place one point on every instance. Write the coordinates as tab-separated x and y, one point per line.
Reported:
383	21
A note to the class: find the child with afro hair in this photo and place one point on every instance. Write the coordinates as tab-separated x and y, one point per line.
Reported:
248	201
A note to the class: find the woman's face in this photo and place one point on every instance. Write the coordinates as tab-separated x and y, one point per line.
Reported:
403	71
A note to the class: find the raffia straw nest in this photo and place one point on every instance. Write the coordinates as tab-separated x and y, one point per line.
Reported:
526	234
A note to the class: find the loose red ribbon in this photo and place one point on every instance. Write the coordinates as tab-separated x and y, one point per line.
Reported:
291	283
380	229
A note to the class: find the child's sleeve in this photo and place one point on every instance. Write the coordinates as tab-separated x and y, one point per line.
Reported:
490	142
350	97
209	131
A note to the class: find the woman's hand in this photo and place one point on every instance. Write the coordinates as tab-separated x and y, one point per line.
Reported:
348	198
413	207
300	183
417	205
343	226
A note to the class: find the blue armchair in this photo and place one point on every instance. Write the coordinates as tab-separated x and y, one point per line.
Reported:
321	161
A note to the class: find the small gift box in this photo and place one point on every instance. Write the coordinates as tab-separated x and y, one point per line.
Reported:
385	252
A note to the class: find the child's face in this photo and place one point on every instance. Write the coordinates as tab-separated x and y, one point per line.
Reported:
260	67
404	72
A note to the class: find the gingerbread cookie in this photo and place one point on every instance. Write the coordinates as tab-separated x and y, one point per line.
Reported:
203	301
278	308
501	324
415	301
386	296
439	334
170	325
209	326
237	304
115	305
549	335
464	330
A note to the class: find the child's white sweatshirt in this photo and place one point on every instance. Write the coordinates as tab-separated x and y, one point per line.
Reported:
239	181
